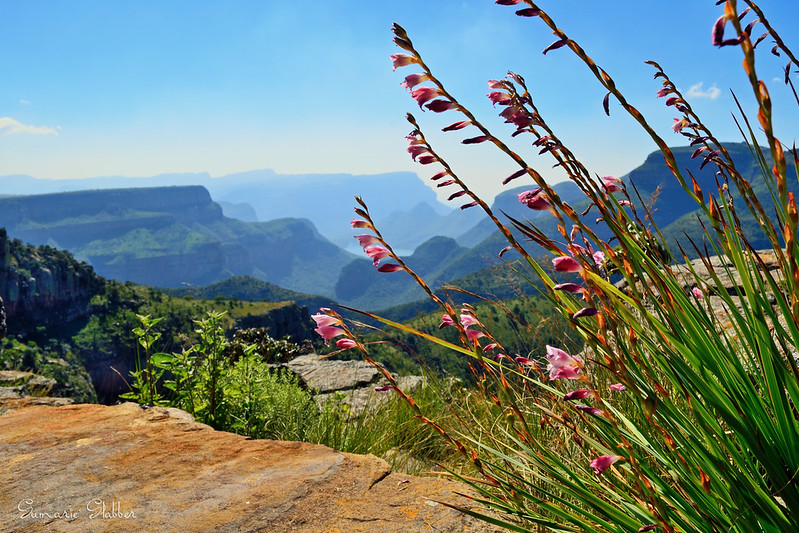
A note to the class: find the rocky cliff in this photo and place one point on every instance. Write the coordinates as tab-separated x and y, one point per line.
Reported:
43	286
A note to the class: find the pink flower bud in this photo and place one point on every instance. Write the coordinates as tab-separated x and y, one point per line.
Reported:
389	267
457	125
578	394
345	344
439	106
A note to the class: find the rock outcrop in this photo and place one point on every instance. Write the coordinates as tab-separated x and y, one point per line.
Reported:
125	468
356	381
43	286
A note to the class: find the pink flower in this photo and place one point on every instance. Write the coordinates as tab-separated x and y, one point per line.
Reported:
475	140
535	199
383	388
611	184
679	124
523	360
508	2
527	195
361	224
366	240
663	92
489	347
618	387
565	372
561	364
474	334
439	106
439	175
566	264
401	60
446	320
426	159
345	344
598	257
697	292
578	394
603	462
416	150
413	80
329	332
468	320
499	97
376	253
424	94
323	320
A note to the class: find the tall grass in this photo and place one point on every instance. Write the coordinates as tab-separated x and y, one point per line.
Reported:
677	416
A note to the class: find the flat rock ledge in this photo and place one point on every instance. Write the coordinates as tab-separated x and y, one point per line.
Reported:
126	468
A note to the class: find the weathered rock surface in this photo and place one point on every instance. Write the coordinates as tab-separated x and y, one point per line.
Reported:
729	282
157	469
356	380
21	389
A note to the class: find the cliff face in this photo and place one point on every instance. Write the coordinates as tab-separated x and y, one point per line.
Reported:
43	286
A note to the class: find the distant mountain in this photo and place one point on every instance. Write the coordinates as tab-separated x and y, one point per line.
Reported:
324	199
507	202
170	236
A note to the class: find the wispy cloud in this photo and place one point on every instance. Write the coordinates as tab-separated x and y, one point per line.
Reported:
696	91
9	126
25	102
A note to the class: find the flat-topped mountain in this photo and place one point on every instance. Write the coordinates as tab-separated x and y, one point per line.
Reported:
172	236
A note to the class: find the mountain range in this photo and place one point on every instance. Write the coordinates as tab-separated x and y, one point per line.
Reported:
205	232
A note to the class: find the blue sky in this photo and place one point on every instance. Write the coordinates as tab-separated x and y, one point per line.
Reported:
93	88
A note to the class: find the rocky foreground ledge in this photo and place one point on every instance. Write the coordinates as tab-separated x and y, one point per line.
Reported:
127	468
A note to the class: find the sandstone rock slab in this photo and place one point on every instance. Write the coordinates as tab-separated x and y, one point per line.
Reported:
125	468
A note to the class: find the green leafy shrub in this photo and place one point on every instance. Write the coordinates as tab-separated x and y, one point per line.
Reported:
269	349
